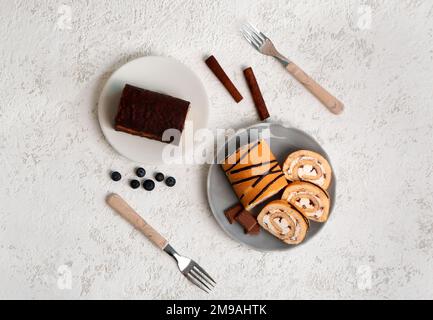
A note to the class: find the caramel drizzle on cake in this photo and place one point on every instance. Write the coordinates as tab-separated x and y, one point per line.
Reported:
254	173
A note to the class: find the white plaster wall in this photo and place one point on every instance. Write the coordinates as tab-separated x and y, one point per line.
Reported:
54	159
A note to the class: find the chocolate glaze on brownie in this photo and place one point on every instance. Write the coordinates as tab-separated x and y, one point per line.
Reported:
149	114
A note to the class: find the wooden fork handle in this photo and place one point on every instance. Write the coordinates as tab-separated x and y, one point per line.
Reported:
129	214
328	100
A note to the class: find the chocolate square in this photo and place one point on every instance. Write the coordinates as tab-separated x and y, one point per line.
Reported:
247	220
149	114
232	212
255	230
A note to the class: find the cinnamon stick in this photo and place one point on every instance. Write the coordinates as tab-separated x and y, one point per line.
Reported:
216	68
259	102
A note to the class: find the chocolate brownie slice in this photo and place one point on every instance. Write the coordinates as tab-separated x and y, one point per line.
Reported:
149	114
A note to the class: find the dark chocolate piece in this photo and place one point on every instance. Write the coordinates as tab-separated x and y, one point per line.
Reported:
255	230
232	212
149	114
216	68
246	220
259	102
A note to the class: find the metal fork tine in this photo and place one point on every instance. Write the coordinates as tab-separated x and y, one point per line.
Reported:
197	277
257	32
246	38
250	39
255	36
203	276
193	280
248	30
251	26
246	35
205	273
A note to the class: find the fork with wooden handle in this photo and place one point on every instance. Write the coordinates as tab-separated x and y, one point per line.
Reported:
189	268
265	46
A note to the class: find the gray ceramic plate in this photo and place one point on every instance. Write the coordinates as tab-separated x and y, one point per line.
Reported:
221	196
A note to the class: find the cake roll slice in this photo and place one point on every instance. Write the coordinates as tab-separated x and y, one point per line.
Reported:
304	165
283	221
312	201
254	173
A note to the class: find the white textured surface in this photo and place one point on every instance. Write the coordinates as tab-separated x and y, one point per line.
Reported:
55	160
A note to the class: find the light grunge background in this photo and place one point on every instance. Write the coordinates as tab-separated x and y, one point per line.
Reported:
59	240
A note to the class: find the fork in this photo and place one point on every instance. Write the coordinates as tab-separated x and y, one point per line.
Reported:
265	46
189	268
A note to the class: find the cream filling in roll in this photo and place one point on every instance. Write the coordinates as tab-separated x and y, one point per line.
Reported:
278	222
310	169
302	201
309	199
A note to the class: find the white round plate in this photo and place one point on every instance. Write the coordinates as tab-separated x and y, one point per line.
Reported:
221	196
160	74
